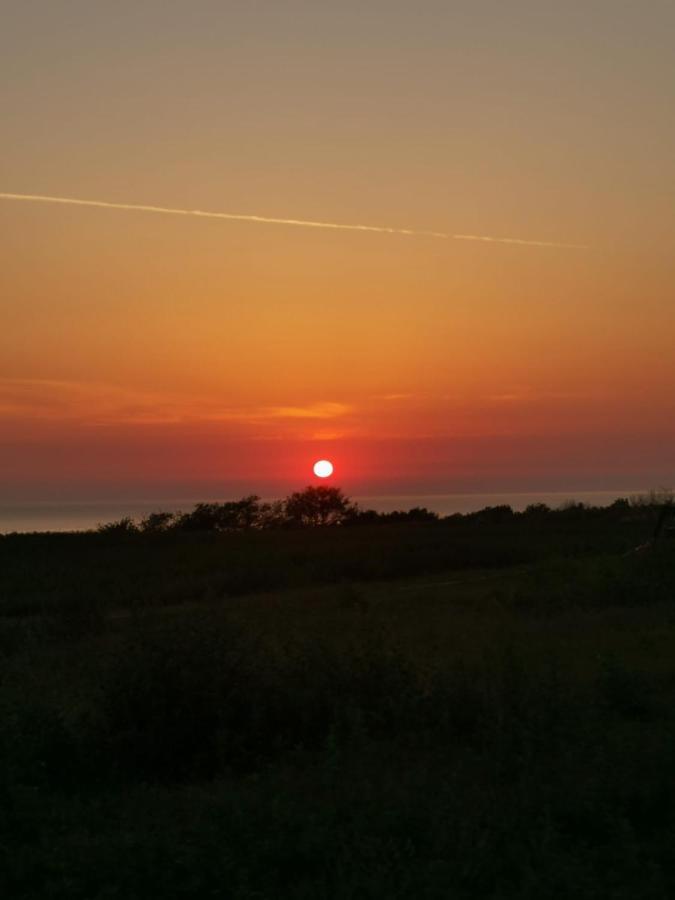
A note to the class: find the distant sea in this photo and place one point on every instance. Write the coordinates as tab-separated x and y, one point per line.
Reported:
36	516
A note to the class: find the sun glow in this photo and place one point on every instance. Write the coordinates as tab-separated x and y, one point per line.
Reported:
323	468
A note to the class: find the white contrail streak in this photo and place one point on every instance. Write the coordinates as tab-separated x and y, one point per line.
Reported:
267	220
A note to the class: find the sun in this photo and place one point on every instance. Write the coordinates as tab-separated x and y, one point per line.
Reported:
323	468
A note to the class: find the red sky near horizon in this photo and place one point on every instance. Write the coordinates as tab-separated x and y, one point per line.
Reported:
149	353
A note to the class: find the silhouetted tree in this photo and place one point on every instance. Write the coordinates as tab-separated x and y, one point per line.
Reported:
158	522
272	515
318	506
657	497
364	517
537	510
493	515
231	516
572	509
416	514
121	526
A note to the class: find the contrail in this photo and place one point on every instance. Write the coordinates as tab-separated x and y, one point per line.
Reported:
267	220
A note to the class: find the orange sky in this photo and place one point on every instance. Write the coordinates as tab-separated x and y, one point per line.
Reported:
147	352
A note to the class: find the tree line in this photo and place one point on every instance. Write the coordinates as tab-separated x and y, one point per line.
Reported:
324	506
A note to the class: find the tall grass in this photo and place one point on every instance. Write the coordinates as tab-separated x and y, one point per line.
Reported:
42	573
502	735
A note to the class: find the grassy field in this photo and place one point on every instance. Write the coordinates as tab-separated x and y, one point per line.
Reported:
409	711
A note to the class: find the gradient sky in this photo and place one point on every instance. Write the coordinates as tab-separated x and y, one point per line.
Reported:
144	354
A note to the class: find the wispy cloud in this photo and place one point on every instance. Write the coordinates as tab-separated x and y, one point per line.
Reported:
310	411
101	405
393	397
269	220
527	396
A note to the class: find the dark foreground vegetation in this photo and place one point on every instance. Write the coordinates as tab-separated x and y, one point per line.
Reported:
475	707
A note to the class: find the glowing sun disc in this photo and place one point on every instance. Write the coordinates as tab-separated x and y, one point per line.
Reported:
323	468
